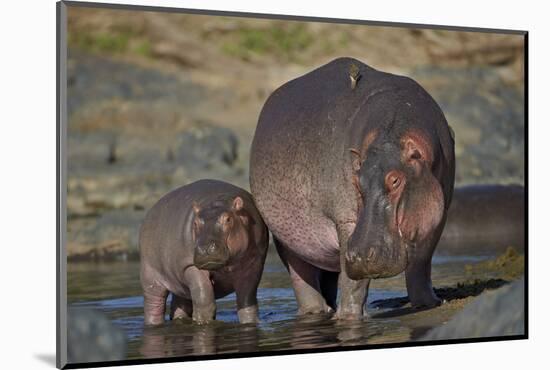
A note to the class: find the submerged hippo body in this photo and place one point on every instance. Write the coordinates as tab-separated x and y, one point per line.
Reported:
485	219
352	170
200	242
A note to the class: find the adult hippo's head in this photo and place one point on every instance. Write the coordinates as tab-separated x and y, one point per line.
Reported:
220	233
401	202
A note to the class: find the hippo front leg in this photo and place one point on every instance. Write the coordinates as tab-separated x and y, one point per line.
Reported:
353	293
247	304
419	285
202	295
418	273
246	288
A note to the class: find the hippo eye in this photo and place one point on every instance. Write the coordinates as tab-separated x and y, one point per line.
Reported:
226	219
393	181
198	223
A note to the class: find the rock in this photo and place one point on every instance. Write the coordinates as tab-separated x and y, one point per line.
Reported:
487	116
91	337
113	235
493	313
97	80
205	146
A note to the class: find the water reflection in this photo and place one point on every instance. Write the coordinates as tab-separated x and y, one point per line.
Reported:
182	338
114	290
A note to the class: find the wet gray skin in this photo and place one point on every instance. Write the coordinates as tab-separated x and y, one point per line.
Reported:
353	182
199	243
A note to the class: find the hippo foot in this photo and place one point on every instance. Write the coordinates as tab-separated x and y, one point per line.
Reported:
347	316
202	317
350	314
325	309
426	302
179	315
154	321
202	320
248	315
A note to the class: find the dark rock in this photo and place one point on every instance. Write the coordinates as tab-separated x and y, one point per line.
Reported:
493	313
95	79
113	235
205	146
91	337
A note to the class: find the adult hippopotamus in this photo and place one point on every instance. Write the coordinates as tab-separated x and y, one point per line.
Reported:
200	242
353	170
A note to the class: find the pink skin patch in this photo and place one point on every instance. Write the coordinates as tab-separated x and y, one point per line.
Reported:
421	209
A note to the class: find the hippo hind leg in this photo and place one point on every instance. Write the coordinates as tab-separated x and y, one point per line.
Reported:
329	287
180	308
305	281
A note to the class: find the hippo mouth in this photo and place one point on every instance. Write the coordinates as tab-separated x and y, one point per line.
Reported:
212	257
378	264
210	265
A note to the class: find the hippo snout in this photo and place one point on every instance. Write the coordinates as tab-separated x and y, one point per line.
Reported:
356	265
208	249
211	256
374	263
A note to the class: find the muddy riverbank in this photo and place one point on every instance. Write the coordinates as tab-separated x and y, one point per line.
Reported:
156	101
136	132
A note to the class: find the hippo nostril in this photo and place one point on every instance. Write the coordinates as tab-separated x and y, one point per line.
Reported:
351	255
370	256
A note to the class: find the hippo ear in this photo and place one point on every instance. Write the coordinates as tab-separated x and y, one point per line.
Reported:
237	203
196	208
416	150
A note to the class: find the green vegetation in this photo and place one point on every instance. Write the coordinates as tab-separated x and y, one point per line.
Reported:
509	265
285	42
143	48
115	42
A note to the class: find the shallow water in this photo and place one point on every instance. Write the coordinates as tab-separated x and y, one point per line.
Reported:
113	288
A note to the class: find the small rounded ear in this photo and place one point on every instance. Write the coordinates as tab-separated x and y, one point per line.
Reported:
196	208
415	147
411	150
237	203
355	159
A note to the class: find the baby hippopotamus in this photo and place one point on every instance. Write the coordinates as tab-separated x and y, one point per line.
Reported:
201	242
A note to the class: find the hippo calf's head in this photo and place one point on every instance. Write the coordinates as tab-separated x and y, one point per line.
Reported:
402	204
220	233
